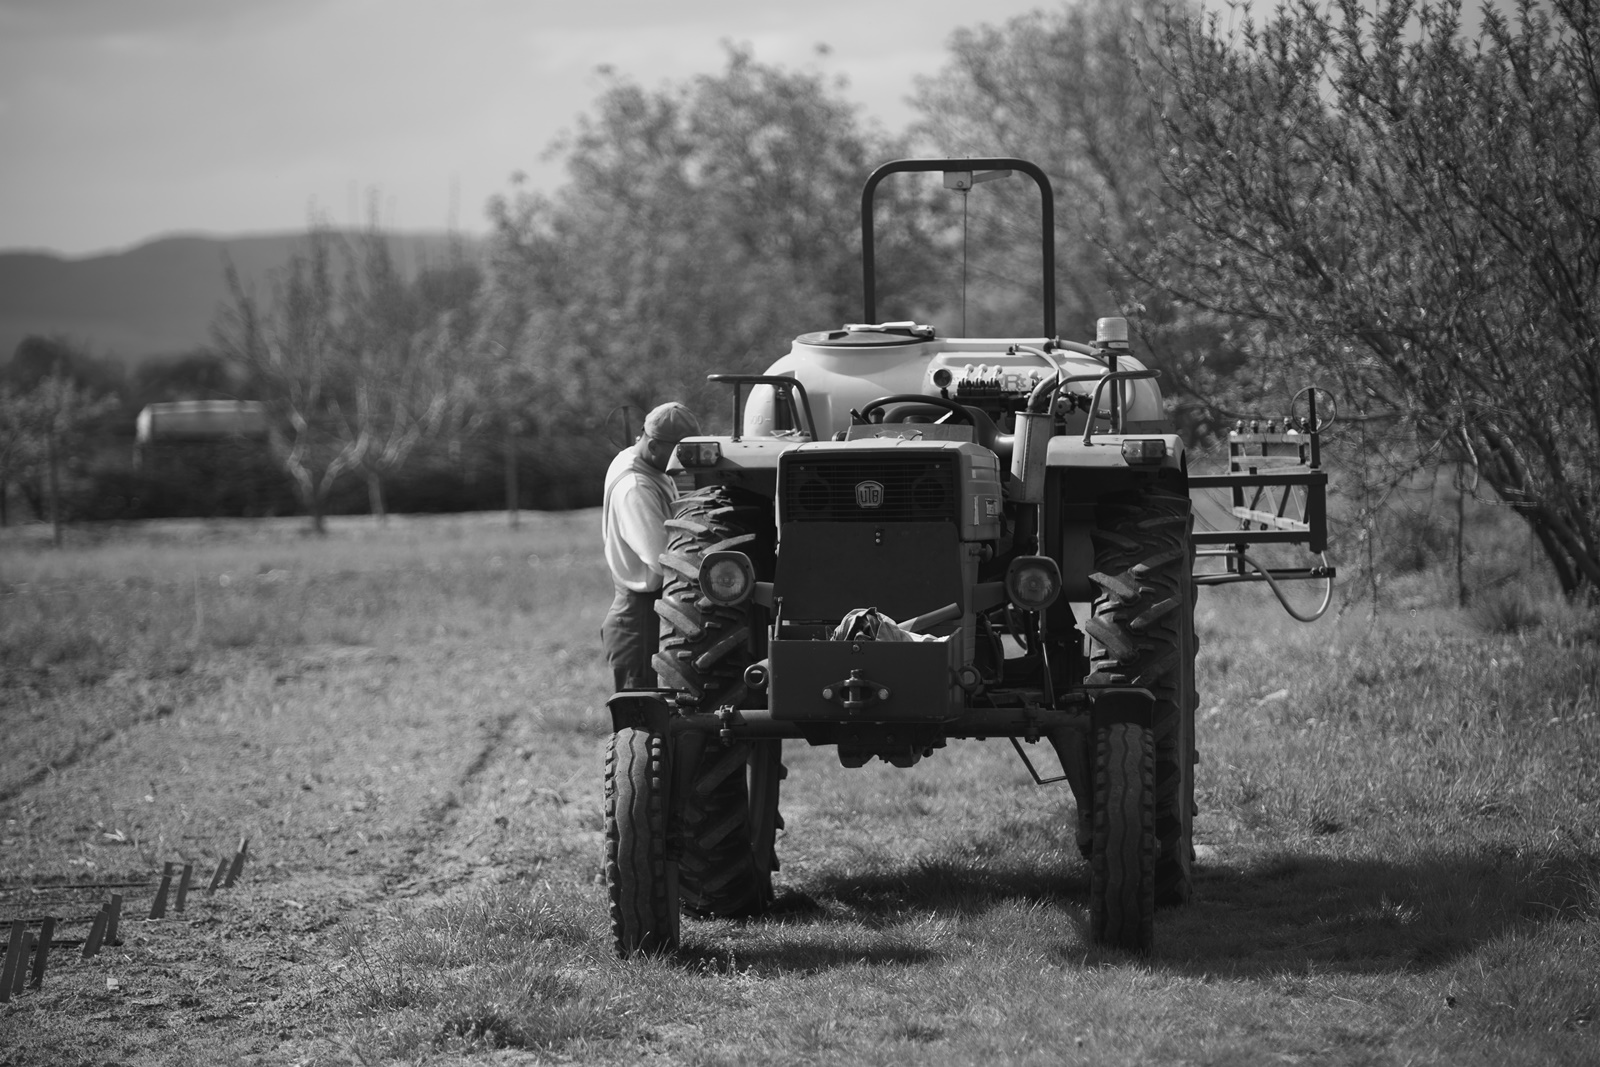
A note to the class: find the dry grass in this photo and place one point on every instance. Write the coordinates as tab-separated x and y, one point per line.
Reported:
1399	830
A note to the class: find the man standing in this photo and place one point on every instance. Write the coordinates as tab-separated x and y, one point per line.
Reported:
638	501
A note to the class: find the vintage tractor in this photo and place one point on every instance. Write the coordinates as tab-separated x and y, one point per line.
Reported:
911	538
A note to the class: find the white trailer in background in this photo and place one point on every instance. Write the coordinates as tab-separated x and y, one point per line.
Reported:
200	420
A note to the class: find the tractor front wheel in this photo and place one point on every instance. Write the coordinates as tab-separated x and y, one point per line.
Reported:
641	883
1122	869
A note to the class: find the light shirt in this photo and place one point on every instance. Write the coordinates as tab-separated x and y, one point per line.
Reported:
638	502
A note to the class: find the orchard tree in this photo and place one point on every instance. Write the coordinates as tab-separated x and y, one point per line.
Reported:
42	430
1059	88
516	390
402	341
354	361
18	441
297	369
52	396
702	226
1062	88
1410	209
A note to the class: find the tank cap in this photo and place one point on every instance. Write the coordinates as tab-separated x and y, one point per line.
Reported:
1111	332
864	335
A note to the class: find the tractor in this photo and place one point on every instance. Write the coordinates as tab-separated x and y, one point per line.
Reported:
908	539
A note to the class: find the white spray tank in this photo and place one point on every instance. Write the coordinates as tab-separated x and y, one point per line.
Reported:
843	369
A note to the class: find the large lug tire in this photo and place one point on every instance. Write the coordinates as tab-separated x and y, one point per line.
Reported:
705	647
1122	870
726	855
1142	635
726	852
640	881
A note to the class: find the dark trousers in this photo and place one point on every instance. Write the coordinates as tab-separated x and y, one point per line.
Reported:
631	634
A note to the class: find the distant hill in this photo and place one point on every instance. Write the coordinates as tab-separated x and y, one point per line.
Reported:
157	298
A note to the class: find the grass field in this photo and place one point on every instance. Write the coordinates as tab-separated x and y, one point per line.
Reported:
1399	837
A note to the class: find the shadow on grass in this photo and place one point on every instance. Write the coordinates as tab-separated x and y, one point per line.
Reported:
1290	913
1282	914
872	919
960	887
770	957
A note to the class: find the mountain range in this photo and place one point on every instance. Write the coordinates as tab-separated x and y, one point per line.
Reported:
158	298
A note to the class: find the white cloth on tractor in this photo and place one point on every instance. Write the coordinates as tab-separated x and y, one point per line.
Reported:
638	502
870	624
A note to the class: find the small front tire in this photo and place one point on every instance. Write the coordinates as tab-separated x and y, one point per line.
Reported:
640	882
1122	868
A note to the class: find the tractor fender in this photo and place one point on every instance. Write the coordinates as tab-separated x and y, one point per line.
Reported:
1104	452
1117	705
645	709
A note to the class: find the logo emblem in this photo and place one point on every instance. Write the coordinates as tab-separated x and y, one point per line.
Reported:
869	494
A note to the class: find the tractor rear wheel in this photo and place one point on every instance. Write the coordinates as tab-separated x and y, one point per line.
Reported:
726	847
1143	636
1122	883
726	853
640	882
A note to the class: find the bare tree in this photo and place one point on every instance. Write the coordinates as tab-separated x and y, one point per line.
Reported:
1413	210
300	371
402	340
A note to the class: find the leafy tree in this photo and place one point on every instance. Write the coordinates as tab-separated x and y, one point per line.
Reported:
1058	88
18	437
42	430
514	392
1062	87
1412	210
703	226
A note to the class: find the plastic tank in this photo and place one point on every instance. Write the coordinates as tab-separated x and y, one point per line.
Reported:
844	369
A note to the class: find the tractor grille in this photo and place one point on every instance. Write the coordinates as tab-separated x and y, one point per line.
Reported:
870	488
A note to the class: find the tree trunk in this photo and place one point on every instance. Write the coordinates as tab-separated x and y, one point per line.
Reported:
53	460
513	513
375	497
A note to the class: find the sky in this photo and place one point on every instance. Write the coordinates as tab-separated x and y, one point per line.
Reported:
123	120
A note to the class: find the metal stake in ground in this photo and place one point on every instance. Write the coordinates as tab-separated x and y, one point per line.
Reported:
158	909
20	983
47	931
238	863
216	879
19	930
113	916
183	887
97	932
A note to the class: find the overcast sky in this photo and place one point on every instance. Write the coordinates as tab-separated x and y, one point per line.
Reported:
121	120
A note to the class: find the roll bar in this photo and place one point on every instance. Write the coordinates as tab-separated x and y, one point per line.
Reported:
1047	204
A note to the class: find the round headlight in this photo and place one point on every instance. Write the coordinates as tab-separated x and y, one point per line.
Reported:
727	577
1033	582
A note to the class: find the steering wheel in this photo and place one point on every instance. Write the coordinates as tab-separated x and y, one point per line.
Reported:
954	412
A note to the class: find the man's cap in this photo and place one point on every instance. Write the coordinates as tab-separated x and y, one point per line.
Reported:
670	423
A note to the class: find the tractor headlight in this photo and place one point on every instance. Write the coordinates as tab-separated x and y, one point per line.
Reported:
728	578
1143	451
1033	582
699	453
